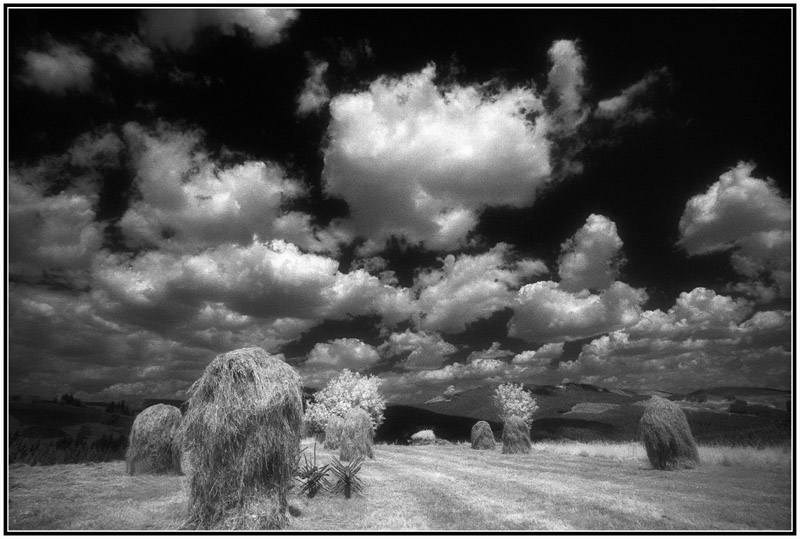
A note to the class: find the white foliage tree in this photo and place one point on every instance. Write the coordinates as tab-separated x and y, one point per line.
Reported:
512	399
348	390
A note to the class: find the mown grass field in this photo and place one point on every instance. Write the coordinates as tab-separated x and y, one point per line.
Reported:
451	487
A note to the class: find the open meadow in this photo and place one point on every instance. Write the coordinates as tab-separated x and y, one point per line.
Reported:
558	486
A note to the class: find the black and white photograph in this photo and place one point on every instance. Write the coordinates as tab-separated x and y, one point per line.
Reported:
400	268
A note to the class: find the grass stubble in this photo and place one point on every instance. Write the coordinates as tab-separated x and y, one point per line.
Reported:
558	486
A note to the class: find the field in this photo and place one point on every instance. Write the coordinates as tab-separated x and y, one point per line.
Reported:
559	486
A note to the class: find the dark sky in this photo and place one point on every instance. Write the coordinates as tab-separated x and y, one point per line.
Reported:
438	197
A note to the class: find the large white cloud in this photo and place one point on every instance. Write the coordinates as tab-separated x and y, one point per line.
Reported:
543	312
419	160
266	281
58	70
470	287
177	28
188	202
750	217
591	258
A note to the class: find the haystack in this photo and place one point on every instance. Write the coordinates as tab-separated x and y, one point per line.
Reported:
154	445
666	436
482	436
516	436
242	430
333	432
356	438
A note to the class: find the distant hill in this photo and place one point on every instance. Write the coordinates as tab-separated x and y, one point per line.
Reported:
582	412
552	400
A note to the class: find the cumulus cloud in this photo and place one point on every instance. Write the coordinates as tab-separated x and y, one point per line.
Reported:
418	160
58	231
495	351
359	293
626	107
315	93
470	287
68	344
748	216
591	258
58	70
539	360
479	369
708	338
341	354
188	202
426	350
566	84
177	28
543	312
267	280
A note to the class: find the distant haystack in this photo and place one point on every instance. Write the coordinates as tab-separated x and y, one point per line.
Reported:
154	445
333	432
356	439
242	430
482	436
516	436
423	437
666	436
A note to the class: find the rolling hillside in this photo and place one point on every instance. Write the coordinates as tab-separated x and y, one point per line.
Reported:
579	412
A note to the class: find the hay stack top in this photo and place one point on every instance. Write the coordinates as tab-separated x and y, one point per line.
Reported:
241	376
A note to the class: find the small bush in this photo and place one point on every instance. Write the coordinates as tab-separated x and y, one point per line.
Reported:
482	436
666	436
513	400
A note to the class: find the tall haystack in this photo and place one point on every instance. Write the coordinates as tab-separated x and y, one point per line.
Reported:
482	436
516	436
154	445
242	430
356	438
333	432
666	436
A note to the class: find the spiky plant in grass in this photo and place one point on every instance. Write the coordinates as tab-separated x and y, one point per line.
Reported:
667	437
242	430
333	432
154	445
346	480
482	436
312	477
